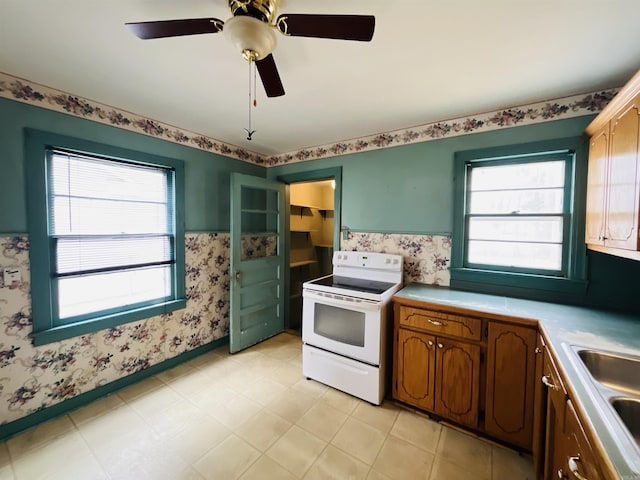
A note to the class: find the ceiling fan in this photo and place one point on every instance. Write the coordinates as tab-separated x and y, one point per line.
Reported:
251	29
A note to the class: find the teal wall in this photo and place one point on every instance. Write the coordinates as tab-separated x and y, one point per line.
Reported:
206	174
409	189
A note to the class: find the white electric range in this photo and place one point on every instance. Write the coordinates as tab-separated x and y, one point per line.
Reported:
346	320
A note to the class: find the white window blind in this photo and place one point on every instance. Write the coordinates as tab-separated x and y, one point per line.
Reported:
112	233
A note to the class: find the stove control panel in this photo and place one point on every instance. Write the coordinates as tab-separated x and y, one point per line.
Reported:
372	260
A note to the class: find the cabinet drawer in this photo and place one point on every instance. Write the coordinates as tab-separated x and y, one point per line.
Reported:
438	322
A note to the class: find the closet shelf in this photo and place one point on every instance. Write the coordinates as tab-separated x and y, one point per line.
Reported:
315	207
302	263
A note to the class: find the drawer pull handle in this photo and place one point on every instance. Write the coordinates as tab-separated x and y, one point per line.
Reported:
547	383
436	323
572	463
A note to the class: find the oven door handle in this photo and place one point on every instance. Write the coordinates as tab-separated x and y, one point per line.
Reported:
337	300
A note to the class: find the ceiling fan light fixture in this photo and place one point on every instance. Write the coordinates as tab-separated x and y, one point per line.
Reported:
250	34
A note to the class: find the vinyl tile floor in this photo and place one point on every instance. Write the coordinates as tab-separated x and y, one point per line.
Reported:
247	416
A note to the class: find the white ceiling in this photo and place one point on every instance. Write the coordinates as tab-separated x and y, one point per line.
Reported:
428	61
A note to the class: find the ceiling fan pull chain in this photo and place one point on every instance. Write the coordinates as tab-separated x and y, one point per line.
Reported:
248	130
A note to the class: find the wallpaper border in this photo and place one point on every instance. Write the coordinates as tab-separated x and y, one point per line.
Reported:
25	91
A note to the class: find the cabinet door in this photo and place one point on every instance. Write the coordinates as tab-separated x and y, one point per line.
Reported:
596	181
510	383
539	411
624	179
580	460
556	447
458	381
415	369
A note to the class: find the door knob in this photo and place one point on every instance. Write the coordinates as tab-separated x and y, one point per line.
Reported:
238	275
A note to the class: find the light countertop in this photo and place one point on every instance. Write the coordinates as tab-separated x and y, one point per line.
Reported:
564	328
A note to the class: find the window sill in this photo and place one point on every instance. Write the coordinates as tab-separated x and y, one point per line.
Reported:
62	332
538	286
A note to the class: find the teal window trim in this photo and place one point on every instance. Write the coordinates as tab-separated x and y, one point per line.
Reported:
573	280
45	327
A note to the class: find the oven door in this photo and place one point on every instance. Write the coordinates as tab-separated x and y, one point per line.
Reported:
344	325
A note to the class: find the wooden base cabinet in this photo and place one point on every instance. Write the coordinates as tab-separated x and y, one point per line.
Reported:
555	442
568	452
435	373
511	362
458	381
580	461
415	360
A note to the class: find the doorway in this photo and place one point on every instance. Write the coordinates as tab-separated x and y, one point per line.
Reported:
314	233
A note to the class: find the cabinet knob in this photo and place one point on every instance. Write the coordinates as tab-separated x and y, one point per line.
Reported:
561	474
547	383
538	350
430	343
440	345
572	463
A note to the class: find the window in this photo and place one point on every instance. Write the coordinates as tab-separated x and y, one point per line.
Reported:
515	219
108	248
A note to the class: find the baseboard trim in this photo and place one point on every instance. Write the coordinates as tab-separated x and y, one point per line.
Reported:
17	426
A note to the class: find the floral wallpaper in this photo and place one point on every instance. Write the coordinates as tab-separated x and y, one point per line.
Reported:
258	246
32	93
575	106
426	257
33	378
35	94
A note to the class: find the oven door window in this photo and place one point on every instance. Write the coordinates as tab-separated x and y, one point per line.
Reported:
339	324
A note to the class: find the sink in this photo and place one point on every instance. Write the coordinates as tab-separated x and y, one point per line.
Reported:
629	411
621	373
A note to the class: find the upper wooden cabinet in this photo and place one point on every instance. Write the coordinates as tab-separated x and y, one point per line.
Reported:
613	185
596	190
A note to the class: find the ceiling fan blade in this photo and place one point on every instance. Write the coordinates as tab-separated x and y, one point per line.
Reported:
175	28
270	76
340	27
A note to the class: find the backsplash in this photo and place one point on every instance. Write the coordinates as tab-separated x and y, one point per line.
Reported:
426	257
33	378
